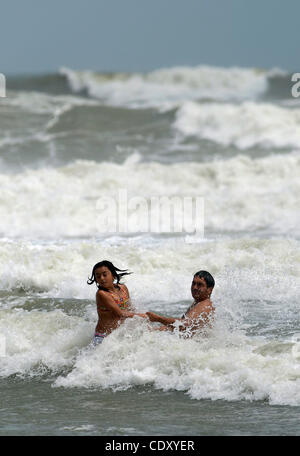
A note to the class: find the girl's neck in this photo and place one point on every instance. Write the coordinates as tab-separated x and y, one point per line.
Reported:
114	287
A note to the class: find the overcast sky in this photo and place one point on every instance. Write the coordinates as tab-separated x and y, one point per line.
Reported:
38	36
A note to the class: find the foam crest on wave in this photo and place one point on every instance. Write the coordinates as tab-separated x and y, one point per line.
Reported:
228	366
43	103
239	194
166	88
160	271
244	126
224	365
39	341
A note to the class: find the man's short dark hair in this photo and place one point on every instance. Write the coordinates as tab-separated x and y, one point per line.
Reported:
209	280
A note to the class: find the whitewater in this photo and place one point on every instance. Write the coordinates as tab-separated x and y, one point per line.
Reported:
69	140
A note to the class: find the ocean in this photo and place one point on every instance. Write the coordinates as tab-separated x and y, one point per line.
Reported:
70	141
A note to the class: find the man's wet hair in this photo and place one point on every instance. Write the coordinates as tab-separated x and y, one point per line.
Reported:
209	280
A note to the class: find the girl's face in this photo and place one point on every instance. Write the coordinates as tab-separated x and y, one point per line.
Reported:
104	277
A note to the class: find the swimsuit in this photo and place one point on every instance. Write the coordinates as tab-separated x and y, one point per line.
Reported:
98	338
123	303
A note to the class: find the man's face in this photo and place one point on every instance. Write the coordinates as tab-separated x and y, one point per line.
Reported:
199	289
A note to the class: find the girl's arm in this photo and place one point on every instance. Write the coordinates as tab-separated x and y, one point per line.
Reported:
131	307
161	319
103	299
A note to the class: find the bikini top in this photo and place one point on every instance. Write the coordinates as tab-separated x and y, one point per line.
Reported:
122	301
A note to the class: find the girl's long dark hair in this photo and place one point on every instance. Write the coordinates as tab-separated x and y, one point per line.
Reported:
116	273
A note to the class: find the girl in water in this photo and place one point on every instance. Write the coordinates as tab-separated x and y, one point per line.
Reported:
112	299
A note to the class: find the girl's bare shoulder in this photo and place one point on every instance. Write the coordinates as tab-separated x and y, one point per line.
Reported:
124	288
102	295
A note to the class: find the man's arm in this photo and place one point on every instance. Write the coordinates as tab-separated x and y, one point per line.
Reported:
196	318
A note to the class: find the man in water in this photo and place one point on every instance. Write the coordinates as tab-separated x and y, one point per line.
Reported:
200	314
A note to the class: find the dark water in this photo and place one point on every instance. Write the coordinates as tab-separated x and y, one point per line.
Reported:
138	412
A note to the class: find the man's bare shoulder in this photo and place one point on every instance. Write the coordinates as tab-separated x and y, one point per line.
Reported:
205	306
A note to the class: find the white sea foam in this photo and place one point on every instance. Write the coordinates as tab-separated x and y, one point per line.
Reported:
168	87
245	125
162	269
258	277
36	340
239	194
228	366
43	103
